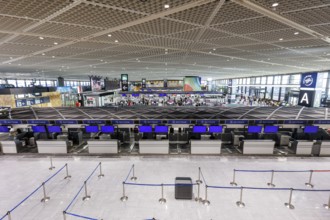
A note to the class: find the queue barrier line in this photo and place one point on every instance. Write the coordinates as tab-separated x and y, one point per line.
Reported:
270	189
156	184
80	216
75	197
34	191
203	177
129	173
276	171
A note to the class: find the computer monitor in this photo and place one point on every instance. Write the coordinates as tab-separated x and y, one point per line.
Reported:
54	129
254	129
145	129
39	129
92	129
311	129
161	129
199	129
4	129
270	129
215	129
107	129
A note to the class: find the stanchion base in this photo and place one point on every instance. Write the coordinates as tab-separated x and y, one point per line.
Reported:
198	199
326	206
124	198
67	177
289	206
101	175
206	202
45	199
162	200
233	183
86	198
51	168
271	184
133	178
240	204
199	181
309	185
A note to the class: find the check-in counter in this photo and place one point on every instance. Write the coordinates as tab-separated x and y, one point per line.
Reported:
206	146
103	146
52	146
325	148
304	147
258	147
9	146
154	146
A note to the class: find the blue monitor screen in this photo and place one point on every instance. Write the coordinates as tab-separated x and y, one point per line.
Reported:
56	129
92	129
162	94
199	129
135	94
311	129
254	129
271	129
161	129
39	129
215	129
123	95
108	129
4	129
145	129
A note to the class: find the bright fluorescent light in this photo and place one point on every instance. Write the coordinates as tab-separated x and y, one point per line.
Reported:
275	4
167	6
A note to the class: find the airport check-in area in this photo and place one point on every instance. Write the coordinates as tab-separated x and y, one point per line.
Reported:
167	130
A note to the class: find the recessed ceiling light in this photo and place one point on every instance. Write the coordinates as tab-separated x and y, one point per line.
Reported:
275	4
210	52
53	56
101	60
214	49
281	39
296	33
9	63
55	43
43	54
10	58
116	41
41	38
166	6
19	64
109	35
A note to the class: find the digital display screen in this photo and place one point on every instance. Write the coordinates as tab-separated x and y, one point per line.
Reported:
271	129
135	94
54	129
254	129
108	129
145	129
123	95
161	129
215	129
92	129
199	129
4	129
162	94
311	129
39	129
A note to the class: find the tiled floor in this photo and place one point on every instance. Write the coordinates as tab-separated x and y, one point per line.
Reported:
20	175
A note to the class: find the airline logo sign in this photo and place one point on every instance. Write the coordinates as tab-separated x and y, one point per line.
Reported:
306	98
308	80
124	82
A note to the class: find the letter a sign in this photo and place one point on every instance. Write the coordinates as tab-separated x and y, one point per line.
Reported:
306	98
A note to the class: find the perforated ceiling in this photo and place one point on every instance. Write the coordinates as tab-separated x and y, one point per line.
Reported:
209	38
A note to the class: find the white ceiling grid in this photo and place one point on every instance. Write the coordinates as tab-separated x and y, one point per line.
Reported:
213	38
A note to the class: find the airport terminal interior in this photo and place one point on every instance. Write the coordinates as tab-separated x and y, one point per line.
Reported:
164	109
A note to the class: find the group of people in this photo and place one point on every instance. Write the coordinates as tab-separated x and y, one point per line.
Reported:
254	101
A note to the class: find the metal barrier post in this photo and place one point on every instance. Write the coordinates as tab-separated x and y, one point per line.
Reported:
288	204
162	200
64	215
198	198
240	203
9	216
205	201
67	172
271	180
233	183
101	174
46	198
124	197
133	178
199	181
327	206
310	180
51	164
86	197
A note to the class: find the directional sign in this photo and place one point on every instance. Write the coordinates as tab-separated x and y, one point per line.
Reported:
10	122
179	122
210	122
39	122
122	122
66	122
94	121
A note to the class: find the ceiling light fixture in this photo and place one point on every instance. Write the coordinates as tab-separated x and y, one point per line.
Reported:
43	54
275	4
116	41
109	35
296	33
41	38
281	39
214	49
53	56
166	6
55	43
